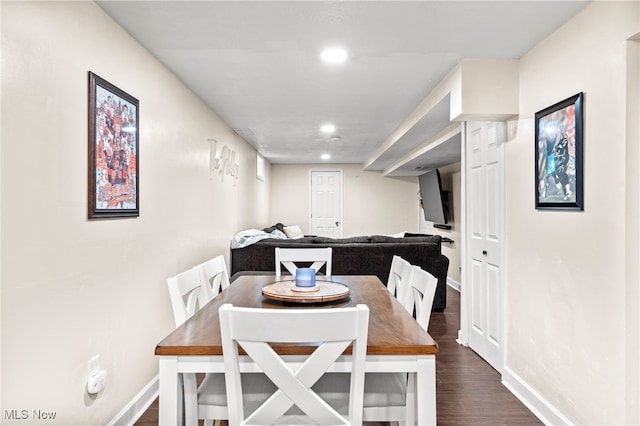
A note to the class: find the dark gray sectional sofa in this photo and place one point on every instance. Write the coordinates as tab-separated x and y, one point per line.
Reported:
370	255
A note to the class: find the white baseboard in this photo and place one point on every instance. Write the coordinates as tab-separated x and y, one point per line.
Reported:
138	405
540	407
453	284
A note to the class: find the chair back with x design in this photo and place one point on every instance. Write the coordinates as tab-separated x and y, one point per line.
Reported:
423	285
215	275
289	257
403	273
331	330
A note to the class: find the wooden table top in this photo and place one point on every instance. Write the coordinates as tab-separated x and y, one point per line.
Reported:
392	331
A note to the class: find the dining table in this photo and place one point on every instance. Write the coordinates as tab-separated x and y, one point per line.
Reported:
395	342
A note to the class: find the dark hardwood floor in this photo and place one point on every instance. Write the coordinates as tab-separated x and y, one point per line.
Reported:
468	390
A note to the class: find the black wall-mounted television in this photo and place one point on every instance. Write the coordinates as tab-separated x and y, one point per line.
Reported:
434	199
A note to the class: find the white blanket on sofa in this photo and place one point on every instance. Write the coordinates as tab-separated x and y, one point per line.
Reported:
251	236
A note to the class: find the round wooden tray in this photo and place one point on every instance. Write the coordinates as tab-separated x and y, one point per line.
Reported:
328	291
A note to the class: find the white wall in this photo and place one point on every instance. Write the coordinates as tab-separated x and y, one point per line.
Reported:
72	288
633	231
565	284
373	204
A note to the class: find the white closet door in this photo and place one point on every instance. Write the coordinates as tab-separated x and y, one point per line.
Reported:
485	206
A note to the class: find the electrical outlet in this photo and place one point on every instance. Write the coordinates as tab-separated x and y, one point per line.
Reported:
95	376
96	381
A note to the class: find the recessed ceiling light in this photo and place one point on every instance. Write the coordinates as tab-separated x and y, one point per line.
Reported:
328	128
325	156
334	55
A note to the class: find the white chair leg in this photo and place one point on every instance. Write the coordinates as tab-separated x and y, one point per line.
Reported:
410	413
190	399
180	408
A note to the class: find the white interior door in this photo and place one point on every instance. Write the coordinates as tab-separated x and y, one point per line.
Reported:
326	203
484	287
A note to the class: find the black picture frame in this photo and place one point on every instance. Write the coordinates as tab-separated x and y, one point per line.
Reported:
114	146
559	155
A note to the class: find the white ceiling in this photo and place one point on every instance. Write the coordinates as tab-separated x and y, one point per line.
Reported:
257	64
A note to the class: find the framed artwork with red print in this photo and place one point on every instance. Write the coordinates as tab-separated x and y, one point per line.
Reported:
113	151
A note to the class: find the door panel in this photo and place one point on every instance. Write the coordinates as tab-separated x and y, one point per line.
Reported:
326	199
477	304
492	224
493	290
474	203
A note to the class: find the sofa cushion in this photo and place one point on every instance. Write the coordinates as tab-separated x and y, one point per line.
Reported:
289	242
385	239
411	234
327	240
435	239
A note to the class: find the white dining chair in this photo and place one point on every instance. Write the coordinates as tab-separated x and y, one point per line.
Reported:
189	291
395	273
187	295
288	257
215	276
295	401
400	277
423	285
385	398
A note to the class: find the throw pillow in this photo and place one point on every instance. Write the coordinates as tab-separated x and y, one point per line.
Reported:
293	232
278	226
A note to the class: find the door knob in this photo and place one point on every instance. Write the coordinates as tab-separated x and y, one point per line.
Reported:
484	252
337	223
